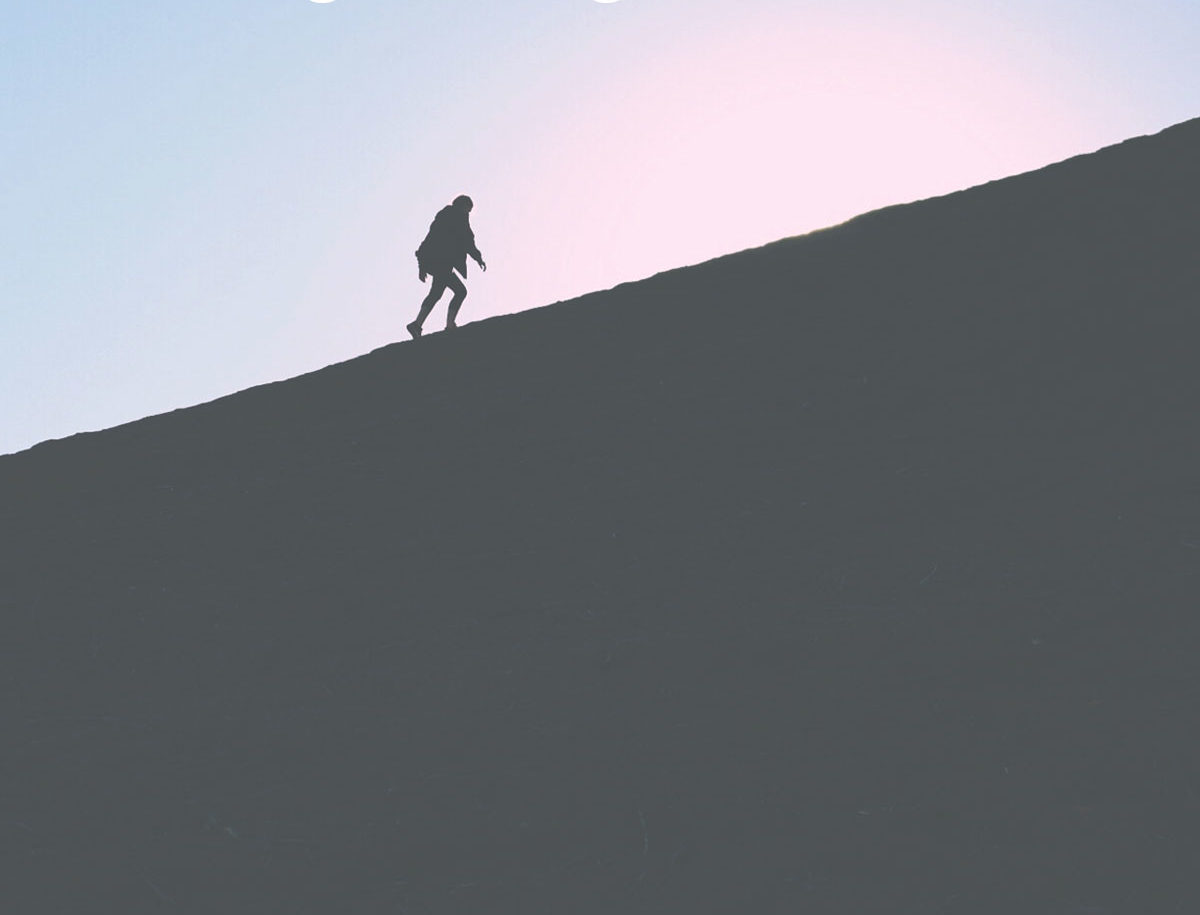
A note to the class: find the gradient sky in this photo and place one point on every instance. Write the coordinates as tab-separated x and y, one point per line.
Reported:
198	197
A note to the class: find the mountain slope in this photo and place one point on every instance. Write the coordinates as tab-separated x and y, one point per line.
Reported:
855	573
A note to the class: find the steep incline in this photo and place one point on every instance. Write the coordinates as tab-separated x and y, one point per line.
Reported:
855	573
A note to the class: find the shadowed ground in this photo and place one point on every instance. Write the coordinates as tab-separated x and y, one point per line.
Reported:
856	573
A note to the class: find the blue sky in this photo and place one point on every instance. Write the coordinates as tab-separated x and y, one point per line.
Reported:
200	197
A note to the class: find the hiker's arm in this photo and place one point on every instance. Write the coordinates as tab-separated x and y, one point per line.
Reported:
474	252
469	238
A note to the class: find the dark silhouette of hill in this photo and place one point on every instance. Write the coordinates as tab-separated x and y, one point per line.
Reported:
856	573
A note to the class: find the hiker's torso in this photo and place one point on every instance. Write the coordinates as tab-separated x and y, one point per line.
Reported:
449	240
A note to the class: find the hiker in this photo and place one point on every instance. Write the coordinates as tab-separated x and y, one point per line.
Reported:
443	251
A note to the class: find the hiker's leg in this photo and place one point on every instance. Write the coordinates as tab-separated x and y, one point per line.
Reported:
436	288
460	292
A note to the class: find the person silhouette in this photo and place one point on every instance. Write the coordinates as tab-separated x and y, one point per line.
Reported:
443	251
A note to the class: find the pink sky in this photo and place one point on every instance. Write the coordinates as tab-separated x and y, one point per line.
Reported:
773	130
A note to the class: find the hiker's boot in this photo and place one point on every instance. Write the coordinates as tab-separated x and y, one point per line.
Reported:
414	329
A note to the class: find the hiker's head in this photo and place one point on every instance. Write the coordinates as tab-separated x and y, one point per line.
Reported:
463	202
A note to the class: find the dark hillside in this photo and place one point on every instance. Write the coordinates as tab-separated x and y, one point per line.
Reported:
856	573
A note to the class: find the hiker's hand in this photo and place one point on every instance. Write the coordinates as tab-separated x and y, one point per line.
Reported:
482	265
421	274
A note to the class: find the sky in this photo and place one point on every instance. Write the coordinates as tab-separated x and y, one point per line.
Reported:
198	197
